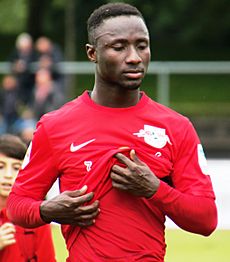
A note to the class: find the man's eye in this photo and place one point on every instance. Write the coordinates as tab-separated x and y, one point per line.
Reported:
142	46
118	47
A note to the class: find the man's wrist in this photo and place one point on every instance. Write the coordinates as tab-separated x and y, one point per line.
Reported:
154	189
42	213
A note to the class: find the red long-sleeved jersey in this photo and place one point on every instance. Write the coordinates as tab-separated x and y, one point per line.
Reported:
77	143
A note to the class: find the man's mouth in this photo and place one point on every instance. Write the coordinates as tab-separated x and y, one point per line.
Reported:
134	73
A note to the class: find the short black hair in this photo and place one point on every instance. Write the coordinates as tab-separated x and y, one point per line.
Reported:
12	146
108	11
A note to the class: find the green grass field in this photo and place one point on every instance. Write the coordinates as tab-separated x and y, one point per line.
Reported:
186	247
181	246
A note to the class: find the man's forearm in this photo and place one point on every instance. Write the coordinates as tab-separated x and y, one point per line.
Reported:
196	214
24	211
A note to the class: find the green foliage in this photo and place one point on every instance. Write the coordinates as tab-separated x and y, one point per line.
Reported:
12	16
187	23
191	95
178	29
200	95
200	88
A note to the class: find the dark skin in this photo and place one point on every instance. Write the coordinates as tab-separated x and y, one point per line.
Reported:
122	55
136	178
70	207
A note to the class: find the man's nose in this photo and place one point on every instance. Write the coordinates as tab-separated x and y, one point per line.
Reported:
133	56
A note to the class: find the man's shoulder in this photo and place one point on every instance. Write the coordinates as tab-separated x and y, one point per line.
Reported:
166	112
62	115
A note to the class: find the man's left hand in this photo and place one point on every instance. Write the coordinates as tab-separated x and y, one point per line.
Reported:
136	177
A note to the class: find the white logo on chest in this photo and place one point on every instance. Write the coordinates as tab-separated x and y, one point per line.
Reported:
154	136
88	165
74	148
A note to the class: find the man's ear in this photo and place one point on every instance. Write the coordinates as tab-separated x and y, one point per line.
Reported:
91	53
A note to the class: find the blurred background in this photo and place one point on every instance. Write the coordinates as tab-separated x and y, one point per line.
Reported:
181	31
43	64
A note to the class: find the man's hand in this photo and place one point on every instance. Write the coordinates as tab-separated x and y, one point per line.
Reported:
7	237
136	177
70	208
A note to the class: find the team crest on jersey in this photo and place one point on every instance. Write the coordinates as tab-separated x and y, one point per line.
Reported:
27	157
154	136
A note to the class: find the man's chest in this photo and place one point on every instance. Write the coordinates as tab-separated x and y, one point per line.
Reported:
89	142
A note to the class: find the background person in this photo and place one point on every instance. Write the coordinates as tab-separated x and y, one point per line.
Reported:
47	95
124	161
17	243
21	58
25	126
49	55
9	103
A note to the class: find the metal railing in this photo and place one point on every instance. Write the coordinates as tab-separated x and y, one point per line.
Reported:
163	70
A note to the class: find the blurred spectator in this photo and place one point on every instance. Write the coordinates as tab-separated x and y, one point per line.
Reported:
9	103
21	59
15	118
47	95
48	55
25	126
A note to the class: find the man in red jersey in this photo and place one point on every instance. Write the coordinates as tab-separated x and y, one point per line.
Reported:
124	162
17	243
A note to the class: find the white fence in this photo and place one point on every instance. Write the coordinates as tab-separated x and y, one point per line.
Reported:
163	70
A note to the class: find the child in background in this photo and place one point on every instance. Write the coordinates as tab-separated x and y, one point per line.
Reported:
17	243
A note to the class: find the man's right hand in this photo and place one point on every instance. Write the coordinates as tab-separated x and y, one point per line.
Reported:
70	208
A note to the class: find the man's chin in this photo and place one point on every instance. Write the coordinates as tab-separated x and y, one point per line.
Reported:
132	85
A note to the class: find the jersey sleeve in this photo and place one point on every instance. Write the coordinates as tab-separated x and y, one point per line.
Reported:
196	214
36	177
190	170
190	201
39	170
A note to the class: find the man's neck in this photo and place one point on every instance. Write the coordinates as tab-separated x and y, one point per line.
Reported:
115	99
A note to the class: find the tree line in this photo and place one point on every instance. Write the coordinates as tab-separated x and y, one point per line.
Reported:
173	24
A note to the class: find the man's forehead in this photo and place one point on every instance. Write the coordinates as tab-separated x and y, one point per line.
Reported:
120	25
123	21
